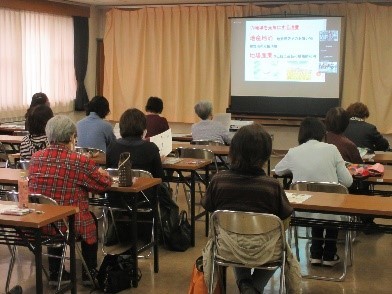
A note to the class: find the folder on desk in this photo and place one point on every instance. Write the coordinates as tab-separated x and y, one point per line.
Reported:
164	142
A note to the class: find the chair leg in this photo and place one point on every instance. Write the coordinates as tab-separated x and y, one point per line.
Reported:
211	288
105	228
296	242
152	240
12	249
282	288
347	255
187	196
63	255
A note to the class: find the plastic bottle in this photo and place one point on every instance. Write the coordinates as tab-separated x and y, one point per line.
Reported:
23	189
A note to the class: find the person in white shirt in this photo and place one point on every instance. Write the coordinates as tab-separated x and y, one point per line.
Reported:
314	160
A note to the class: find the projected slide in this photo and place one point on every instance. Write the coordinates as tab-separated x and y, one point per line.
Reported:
287	66
292	50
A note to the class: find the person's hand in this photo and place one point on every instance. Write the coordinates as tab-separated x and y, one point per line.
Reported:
163	157
103	172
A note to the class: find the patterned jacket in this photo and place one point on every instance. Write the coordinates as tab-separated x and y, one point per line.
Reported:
68	177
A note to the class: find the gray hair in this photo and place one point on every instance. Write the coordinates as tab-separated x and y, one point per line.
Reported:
60	129
203	109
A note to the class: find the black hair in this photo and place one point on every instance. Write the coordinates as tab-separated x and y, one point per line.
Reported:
337	120
38	119
250	148
39	99
99	105
311	128
154	104
132	123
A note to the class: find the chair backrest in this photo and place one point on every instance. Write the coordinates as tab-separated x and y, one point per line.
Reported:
11	196
113	172
23	164
247	223
4	159
195	153
88	150
141	173
319	187
41	199
20	133
207	142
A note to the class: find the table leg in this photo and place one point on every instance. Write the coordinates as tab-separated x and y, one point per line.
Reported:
207	214
269	167
155	228
133	209
72	254
38	261
192	188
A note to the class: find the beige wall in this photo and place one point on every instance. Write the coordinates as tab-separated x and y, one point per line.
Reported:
284	137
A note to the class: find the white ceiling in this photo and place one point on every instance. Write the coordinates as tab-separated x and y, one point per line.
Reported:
161	2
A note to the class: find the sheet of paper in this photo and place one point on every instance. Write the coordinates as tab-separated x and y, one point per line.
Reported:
7	206
116	130
164	142
297	198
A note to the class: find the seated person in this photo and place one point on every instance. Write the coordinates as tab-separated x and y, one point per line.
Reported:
93	131
144	154
36	139
316	161
37	99
207	129
246	187
362	133
67	177
156	124
336	122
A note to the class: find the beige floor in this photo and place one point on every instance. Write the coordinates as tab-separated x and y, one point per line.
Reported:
371	271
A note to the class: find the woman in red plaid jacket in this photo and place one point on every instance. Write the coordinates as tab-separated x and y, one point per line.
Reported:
67	177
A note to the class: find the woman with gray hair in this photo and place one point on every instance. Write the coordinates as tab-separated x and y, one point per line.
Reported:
67	177
207	129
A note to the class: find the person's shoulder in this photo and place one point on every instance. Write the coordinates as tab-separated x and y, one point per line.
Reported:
348	142
82	121
328	146
148	144
26	139
107	125
224	174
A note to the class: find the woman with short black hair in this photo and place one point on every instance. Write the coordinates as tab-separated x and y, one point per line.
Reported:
144	154
156	124
93	130
316	161
336	122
